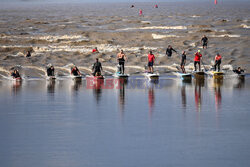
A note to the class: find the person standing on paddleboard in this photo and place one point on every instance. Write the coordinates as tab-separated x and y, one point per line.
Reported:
151	59
217	62
121	58
169	51
204	41
197	60
50	70
75	71
97	68
15	74
183	61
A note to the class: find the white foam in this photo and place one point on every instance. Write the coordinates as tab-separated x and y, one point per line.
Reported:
158	36
157	28
195	16
244	26
145	22
225	35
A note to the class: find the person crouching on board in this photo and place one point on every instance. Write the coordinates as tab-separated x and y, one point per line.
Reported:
95	50
197	60
183	61
97	68
75	71
50	70
151	59
15	74
217	61
121	58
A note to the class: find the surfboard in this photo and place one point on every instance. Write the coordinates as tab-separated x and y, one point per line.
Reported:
199	74
151	76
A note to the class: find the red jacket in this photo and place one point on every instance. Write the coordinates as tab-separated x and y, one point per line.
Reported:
151	58
197	56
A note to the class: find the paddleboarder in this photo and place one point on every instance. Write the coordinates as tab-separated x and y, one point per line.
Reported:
121	58
217	62
204	41
183	61
170	50
50	70
15	74
97	68
75	71
151	59
197	60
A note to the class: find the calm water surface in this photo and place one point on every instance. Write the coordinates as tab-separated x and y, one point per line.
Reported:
170	123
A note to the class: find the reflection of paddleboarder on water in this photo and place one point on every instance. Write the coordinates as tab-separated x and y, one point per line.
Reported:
197	94
151	100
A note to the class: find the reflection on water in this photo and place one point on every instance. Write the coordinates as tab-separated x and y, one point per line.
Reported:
16	87
39	126
199	83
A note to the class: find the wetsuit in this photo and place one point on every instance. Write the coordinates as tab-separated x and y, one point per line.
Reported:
28	54
75	71
204	41
121	64
97	67
50	71
183	59
15	75
197	60
169	51
238	72
217	62
151	59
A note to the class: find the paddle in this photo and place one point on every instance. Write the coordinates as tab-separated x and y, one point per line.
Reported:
203	66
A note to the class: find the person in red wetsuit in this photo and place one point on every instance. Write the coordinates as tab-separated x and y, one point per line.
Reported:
197	60
217	61
151	59
95	50
140	12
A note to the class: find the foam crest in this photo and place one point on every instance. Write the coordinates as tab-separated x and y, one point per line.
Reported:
157	28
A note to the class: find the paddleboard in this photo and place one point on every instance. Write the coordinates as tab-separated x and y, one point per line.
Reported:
241	76
217	75
199	74
51	77
77	77
151	76
185	76
95	77
117	75
18	79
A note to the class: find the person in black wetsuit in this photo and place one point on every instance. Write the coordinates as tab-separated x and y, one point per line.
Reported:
121	57
28	54
183	61
75	71
169	51
97	68
50	71
15	74
238	70
204	41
